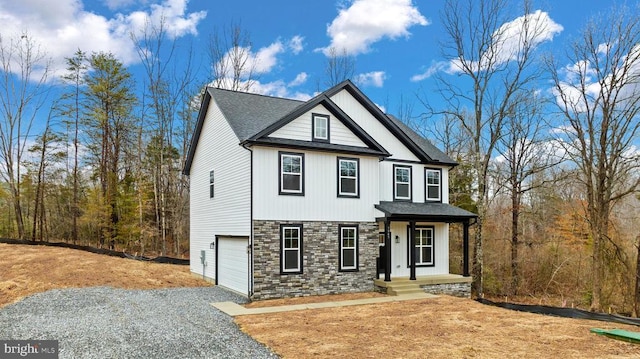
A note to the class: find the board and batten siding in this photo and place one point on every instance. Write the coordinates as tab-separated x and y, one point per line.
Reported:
372	126
400	259
320	201
300	129
229	212
417	181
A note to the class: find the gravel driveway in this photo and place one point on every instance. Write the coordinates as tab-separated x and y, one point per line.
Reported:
115	323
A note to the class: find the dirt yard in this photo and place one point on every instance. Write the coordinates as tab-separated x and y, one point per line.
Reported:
443	327
26	270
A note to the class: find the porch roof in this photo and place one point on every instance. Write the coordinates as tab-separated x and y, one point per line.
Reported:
430	211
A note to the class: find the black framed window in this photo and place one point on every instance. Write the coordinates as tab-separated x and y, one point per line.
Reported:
291	174
424	237
320	127
401	182
433	187
211	184
348	177
348	247
291	248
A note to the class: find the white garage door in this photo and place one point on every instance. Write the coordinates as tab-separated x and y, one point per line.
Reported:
233	260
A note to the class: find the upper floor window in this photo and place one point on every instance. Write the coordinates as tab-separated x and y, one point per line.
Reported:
433	184
211	184
402	182
291	173
348	177
320	125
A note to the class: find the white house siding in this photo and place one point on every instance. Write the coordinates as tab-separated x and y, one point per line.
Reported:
372	126
228	213
417	181
399	258
320	201
300	129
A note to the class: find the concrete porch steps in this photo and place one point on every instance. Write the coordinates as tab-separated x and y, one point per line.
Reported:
403	285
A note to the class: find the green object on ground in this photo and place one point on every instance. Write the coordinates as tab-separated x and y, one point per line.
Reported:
627	336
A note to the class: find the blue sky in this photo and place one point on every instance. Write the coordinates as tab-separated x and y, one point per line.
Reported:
395	42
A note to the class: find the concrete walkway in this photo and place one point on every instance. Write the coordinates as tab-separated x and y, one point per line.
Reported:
234	309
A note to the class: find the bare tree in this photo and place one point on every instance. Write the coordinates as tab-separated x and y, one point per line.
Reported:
233	66
526	152
598	94
23	78
495	62
339	66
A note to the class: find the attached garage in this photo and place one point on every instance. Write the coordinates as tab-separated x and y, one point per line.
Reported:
232	263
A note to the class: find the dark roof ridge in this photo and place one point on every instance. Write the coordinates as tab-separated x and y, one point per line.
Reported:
255	94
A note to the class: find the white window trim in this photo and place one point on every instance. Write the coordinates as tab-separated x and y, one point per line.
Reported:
355	248
300	175
297	249
428	185
419	246
340	177
395	182
316	117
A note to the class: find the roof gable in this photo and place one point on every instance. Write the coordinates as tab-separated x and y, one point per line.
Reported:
320	100
254	117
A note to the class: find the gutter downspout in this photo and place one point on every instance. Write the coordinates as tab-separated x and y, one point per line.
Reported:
250	264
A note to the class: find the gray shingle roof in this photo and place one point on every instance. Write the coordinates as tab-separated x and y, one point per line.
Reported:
426	211
423	143
249	113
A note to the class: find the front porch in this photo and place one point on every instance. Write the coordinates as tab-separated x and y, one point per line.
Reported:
452	284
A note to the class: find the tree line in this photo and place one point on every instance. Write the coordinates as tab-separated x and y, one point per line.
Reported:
547	146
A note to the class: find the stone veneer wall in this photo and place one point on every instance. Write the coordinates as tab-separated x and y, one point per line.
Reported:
320	275
455	289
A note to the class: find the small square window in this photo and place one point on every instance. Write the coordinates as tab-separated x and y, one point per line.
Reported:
320	127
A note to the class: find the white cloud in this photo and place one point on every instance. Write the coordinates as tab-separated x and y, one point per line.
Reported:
299	80
374	78
365	22
507	42
62	27
254	63
449	67
295	44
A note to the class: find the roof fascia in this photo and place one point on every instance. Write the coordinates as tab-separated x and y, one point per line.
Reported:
206	99
378	114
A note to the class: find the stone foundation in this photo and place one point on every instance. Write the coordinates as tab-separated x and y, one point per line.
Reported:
320	259
455	289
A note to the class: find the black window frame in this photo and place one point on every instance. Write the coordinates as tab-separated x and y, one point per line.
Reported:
395	185
433	246
282	191
314	116
355	248
211	184
300	268
339	178
426	184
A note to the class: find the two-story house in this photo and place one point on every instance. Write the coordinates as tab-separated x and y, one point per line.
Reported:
292	198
